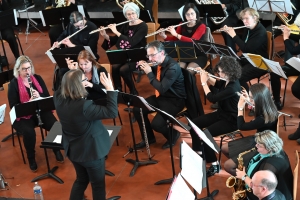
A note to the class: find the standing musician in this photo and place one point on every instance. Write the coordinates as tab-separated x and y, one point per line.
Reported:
265	119
132	35
226	115
8	33
231	7
271	156
21	90
91	69
168	82
194	29
82	38
84	138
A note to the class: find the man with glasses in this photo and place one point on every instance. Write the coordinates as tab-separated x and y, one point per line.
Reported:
167	80
264	185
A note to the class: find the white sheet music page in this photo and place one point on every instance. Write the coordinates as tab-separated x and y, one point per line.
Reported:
57	139
49	54
202	135
12	115
2	113
191	167
88	48
275	67
282	6
145	103
294	62
179	190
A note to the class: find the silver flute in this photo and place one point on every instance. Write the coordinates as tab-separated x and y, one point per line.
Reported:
222	29
145	135
210	75
101	29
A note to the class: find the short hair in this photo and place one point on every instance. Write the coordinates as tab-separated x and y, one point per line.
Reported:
20	61
86	55
71	86
264	104
270	183
230	66
251	12
271	141
76	17
131	6
156	45
186	9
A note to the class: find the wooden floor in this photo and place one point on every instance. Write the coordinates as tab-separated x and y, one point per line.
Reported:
141	185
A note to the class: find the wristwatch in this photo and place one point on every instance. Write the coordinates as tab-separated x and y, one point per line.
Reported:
244	177
241	108
203	84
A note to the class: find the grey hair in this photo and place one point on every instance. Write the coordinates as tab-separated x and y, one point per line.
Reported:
156	45
270	185
271	141
131	6
20	61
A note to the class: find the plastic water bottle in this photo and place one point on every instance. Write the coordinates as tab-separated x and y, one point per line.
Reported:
37	190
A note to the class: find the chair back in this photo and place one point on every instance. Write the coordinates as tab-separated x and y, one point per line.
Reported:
193	102
151	29
295	174
270	44
207	37
5	87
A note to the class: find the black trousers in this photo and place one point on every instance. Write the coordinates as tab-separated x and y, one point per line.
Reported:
8	34
170	105
27	126
216	126
124	71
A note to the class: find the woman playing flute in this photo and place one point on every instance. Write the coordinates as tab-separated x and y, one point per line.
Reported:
132	35
195	29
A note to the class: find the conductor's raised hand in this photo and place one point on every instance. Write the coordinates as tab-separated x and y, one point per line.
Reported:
106	81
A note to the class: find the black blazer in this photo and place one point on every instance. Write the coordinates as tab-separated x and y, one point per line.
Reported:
84	136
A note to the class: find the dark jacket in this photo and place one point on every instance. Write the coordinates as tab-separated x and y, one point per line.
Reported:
84	136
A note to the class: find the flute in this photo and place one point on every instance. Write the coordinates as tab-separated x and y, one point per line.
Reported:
222	29
151	64
68	37
292	30
210	75
156	32
101	29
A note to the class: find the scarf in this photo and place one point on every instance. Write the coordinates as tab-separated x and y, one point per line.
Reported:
95	76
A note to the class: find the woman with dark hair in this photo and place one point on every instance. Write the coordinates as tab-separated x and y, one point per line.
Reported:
91	69
131	36
195	29
20	92
224	120
269	156
84	138
265	119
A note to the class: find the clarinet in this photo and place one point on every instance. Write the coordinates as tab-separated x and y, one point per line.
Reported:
30	85
145	135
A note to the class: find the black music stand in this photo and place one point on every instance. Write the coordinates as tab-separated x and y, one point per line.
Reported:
205	137
132	100
186	51
210	10
170	48
170	121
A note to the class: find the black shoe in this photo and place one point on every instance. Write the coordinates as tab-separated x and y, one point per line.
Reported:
32	165
175	138
142	144
59	157
212	170
278	105
295	135
251	112
26	7
214	106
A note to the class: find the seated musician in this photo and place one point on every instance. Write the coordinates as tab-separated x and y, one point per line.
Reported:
168	82
223	92
22	90
269	156
265	119
91	69
132	35
194	29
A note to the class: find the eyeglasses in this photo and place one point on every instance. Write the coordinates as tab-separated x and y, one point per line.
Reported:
84	79
25	69
129	14
260	145
79	24
190	14
152	55
253	185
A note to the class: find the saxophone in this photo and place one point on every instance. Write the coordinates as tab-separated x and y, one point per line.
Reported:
237	185
123	2
215	20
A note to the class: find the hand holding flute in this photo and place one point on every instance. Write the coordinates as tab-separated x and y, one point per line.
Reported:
199	70
145	66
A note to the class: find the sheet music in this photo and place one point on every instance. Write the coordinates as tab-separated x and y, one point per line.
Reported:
179	190
191	170
146	103
42	18
12	115
39	98
88	48
49	54
272	5
202	135
57	139
275	67
2	113
16	16
180	12
81	10
294	62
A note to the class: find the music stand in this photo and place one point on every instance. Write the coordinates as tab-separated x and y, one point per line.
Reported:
210	10
206	137
132	100
170	48
186	51
170	121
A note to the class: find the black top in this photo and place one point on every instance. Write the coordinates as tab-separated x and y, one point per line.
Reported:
96	91
289	44
257	123
4	6
171	84
232	6
276	195
257	42
227	99
131	37
13	91
83	38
